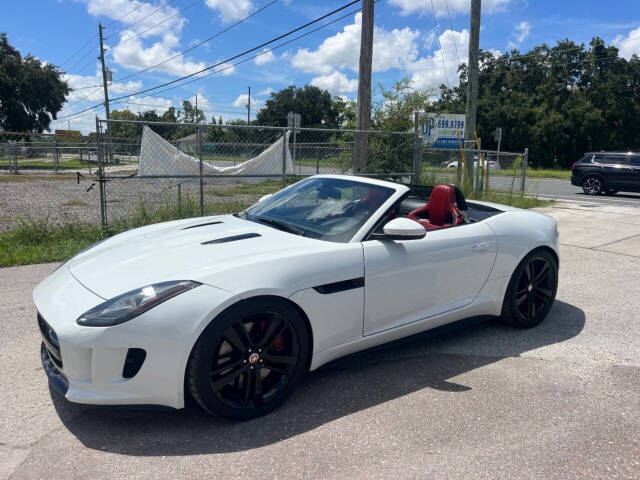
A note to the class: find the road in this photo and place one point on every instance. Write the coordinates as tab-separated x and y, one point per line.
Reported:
478	401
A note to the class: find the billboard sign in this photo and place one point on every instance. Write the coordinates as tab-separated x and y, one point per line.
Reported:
439	129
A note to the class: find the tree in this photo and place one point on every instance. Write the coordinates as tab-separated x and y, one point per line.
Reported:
315	106
124	130
31	92
559	101
394	112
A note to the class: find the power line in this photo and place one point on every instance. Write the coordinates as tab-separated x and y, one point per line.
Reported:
79	50
165	4
79	60
453	36
158	24
118	99
444	67
264	52
202	42
126	14
246	51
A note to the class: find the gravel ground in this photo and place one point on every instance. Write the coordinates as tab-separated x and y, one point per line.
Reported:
63	198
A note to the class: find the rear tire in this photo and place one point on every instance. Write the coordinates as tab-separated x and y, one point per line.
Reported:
592	185
249	358
532	290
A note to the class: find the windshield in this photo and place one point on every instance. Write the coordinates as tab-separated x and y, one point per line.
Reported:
331	209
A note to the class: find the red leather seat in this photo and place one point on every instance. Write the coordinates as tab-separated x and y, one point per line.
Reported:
441	211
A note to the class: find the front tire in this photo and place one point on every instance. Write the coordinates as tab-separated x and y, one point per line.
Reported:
532	290
249	359
592	185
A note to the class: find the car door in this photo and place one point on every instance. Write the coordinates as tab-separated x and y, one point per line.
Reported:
615	169
410	280
635	174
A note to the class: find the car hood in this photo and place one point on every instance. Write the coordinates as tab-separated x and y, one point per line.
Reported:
195	249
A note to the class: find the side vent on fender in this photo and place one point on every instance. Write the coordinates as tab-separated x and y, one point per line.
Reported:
232	239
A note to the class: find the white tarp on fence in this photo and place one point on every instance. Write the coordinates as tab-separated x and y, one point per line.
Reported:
159	157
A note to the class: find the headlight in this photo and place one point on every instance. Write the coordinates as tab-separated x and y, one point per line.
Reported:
129	305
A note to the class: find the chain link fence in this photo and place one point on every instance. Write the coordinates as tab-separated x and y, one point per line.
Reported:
114	178
499	172
46	153
179	170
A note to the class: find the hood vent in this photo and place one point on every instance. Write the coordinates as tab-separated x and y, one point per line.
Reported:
232	239
201	225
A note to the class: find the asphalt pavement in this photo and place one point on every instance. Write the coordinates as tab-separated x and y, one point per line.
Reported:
471	401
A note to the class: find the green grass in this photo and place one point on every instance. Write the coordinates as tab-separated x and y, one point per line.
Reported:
514	199
262	188
506	172
10	178
40	240
65	164
74	203
548	173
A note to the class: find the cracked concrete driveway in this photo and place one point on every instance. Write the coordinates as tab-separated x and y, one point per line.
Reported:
470	401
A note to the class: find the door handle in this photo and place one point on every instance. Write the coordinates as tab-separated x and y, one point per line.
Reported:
480	246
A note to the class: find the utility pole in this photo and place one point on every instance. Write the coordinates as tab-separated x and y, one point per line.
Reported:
472	84
106	91
249	106
364	87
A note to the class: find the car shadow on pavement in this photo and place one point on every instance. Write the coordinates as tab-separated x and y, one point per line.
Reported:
343	387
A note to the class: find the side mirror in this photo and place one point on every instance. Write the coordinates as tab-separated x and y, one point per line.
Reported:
265	197
402	229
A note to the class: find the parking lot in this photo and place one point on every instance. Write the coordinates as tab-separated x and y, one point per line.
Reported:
473	401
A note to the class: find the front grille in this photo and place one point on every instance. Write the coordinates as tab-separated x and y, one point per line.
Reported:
51	341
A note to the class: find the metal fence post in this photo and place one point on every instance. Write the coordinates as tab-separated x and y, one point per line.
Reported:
417	160
103	206
284	158
15	158
56	154
487	172
199	137
525	162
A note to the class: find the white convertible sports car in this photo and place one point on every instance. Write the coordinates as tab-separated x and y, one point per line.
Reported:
234	309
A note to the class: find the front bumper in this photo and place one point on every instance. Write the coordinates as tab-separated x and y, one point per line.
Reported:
90	364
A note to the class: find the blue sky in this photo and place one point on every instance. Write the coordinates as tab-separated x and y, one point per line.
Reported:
407	43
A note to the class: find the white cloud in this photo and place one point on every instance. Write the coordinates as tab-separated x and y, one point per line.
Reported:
522	31
241	102
391	49
131	50
336	83
628	45
264	58
135	105
88	88
141	18
230	10
428	72
423	7
266	91
225	69
133	55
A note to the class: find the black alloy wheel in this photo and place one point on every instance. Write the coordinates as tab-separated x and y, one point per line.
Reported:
592	185
249	359
532	290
